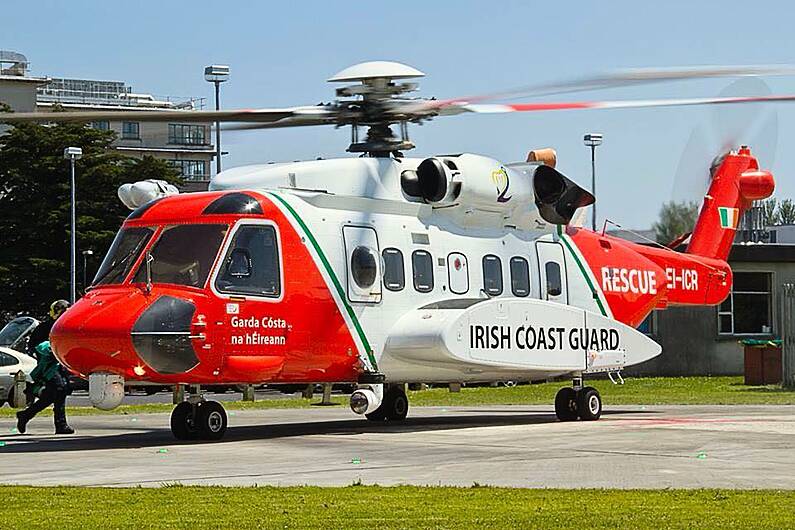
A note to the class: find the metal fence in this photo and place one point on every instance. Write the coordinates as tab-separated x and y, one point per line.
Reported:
788	334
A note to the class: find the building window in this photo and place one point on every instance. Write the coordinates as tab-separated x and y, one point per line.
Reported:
520	276
394	276
100	125
422	268
191	170
131	130
187	134
748	308
492	275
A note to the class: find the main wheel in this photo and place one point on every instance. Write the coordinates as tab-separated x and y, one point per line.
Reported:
566	404
183	422
210	420
394	407
396	404
589	404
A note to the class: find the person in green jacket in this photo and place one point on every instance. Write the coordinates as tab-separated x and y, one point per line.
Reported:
51	386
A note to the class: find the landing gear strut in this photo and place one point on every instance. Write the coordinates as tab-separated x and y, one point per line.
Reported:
378	403
394	407
578	401
198	419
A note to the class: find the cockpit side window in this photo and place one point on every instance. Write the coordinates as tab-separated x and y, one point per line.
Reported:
183	255
251	265
123	253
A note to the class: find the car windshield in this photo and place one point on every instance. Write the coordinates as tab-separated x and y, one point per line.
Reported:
183	255
124	250
15	330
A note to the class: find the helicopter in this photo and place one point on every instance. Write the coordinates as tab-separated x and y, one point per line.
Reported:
382	270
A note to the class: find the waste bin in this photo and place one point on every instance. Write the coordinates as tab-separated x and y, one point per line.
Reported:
762	361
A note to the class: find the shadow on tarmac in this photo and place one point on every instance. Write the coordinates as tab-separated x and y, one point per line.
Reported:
163	438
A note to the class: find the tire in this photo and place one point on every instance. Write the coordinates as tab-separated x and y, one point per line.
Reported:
566	404
394	407
183	424
589	404
211	420
396	404
152	390
378	414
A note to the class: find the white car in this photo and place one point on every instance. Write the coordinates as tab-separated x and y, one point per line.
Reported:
13	336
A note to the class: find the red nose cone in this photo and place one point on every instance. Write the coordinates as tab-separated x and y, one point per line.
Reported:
94	334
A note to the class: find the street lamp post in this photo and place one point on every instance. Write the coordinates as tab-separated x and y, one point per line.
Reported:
86	254
217	74
592	140
72	154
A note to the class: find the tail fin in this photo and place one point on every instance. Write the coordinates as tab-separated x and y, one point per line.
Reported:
737	181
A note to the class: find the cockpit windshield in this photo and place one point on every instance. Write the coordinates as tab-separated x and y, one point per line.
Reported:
126	247
183	255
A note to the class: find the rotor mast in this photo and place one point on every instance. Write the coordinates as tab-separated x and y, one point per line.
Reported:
374	103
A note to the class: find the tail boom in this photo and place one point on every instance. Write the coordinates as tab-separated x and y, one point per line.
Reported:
736	183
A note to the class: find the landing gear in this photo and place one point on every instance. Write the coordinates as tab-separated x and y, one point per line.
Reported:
580	402
566	404
589	404
380	402
394	407
198	420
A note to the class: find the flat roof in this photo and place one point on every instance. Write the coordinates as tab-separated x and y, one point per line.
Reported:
762	252
24	79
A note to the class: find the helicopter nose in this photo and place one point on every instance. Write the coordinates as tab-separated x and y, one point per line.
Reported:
120	333
94	334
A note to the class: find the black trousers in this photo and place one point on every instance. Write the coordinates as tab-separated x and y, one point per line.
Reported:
52	394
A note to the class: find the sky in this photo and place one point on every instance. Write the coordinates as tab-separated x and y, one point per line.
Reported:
281	53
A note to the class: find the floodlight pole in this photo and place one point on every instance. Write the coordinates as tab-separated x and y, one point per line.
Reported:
72	154
217	74
217	128
592	140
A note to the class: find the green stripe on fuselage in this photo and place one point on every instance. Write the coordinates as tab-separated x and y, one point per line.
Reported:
334	279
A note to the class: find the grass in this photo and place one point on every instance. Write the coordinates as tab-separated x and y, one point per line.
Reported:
370	507
636	391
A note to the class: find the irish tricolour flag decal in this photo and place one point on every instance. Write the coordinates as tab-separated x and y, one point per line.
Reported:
729	217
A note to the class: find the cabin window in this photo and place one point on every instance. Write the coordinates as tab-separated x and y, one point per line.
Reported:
364	267
183	255
123	253
748	309
492	275
457	273
251	266
554	280
520	276
422	267
394	275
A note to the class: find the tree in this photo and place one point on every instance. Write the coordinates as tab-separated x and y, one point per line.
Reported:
35	207
676	219
785	215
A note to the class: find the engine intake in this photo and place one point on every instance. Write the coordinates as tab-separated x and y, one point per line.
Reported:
433	181
557	197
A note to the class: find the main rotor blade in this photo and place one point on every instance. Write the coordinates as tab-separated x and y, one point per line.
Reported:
308	114
619	104
619	78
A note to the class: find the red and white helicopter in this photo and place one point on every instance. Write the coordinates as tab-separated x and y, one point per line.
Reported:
382	270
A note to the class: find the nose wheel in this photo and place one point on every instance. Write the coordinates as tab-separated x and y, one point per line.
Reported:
585	404
202	420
